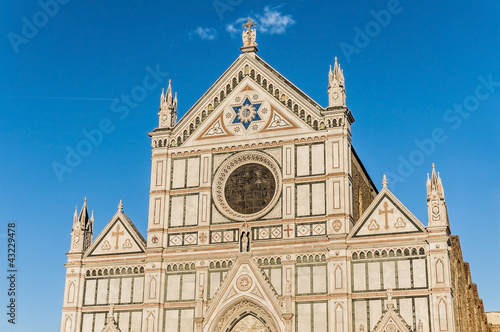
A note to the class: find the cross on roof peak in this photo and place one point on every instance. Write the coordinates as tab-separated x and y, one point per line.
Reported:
249	24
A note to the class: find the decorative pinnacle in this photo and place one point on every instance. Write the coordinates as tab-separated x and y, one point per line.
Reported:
120	206
384	181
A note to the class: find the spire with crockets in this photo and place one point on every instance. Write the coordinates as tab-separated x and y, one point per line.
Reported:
336	86
168	108
83	227
436	205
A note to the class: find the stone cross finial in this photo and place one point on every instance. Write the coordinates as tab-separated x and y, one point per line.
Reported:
384	182
120	206
249	24
249	36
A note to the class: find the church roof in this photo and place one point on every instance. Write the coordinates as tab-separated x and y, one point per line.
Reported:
289	83
249	68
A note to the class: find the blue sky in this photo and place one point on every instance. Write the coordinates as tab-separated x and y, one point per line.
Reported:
423	83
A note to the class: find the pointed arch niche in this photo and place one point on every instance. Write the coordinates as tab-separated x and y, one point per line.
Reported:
245	315
249	323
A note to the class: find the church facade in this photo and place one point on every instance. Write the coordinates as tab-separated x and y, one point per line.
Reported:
262	217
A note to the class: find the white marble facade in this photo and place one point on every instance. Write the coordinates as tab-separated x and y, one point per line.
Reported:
298	262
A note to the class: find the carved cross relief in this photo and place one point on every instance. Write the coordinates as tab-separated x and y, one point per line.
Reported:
386	212
117	234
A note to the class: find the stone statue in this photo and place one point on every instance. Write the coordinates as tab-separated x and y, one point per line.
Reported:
246	38
245	246
245	238
253	37
250	35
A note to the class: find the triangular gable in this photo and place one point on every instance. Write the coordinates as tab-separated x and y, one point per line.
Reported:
120	236
247	111
386	215
222	90
391	321
244	282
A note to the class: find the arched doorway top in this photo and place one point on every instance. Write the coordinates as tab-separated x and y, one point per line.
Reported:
249	323
245	312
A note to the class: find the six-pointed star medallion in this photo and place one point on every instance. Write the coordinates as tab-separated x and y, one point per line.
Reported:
246	113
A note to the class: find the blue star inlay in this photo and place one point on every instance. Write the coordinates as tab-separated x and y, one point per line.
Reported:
246	113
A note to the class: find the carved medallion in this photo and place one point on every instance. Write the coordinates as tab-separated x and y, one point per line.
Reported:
244	282
337	225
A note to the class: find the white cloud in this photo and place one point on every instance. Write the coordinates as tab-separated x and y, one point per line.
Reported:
204	33
271	21
274	22
236	28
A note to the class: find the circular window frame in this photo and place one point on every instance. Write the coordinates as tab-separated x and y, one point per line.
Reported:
227	168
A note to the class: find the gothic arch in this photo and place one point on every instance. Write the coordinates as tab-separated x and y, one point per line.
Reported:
152	288
150	322
240	309
68	324
71	292
442	314
439	271
246	316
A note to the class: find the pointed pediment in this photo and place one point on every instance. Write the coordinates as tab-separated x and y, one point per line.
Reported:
247	111
386	215
249	98
244	282
391	321
120	236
